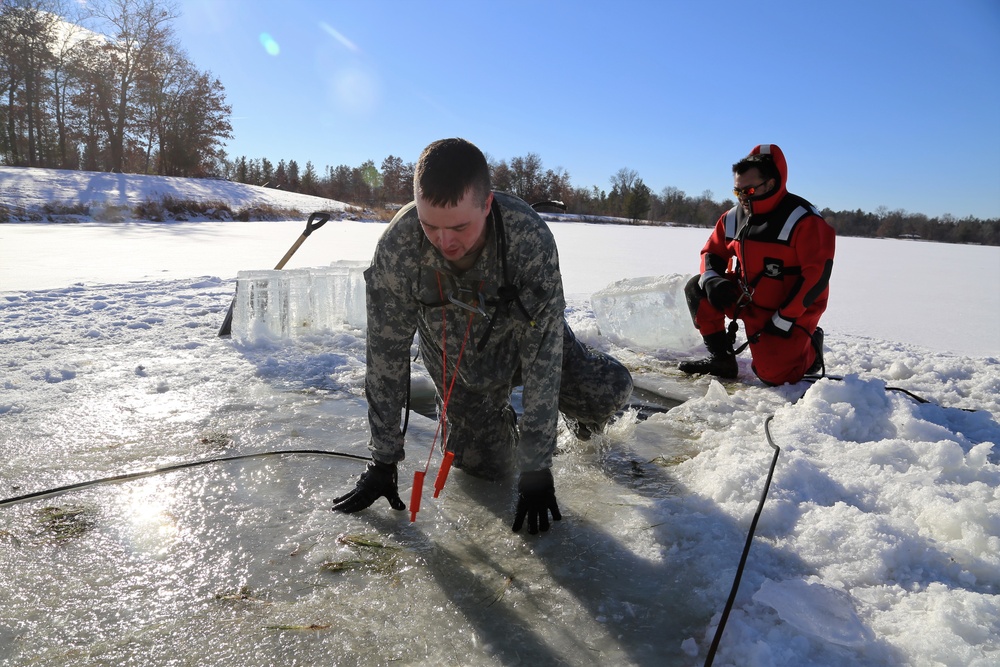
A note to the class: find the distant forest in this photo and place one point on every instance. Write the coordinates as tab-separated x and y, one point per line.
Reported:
105	86
392	183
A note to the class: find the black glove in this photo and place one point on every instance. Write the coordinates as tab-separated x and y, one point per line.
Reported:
770	328
378	479
536	497
721	293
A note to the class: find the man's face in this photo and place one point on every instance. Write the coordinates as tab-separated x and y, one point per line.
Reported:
458	232
751	178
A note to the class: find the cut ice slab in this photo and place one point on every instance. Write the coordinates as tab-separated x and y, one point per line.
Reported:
648	313
295	302
815	609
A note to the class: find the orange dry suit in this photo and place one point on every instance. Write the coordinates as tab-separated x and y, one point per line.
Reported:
781	254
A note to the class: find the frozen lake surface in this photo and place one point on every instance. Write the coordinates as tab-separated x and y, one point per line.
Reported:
880	520
155	570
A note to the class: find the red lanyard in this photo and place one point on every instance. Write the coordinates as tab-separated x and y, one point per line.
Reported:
442	427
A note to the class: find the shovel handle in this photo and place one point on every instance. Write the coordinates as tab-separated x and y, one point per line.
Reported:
316	220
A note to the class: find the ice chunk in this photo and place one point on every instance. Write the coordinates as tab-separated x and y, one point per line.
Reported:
339	295
648	312
716	392
294	302
301	309
816	609
355	312
261	304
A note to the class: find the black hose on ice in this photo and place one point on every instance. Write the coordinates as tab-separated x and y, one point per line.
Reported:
812	379
760	506
746	548
171	468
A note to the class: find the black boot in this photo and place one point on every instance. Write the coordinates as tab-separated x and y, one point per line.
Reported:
721	363
817	341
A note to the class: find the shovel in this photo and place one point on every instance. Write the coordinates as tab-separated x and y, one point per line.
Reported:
316	220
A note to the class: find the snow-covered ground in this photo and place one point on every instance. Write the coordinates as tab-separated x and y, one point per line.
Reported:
878	545
32	189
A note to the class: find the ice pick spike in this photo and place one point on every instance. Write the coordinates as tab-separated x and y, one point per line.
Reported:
442	475
418	489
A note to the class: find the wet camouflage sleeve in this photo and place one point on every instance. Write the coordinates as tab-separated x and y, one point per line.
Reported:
408	286
392	321
534	263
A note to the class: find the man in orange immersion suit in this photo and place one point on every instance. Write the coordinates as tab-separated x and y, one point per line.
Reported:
768	263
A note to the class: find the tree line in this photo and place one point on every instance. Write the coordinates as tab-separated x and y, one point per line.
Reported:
104	85
629	198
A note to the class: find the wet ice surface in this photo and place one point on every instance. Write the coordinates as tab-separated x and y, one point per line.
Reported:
882	512
243	561
228	565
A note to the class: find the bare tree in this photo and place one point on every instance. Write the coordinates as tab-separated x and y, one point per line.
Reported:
66	72
624	180
139	30
190	140
28	30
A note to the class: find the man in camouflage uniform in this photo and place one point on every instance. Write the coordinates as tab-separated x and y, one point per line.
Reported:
476	275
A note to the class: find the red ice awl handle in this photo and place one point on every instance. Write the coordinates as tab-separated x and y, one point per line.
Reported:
443	473
418	489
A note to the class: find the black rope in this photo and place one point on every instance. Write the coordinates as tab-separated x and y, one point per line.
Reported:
746	548
171	468
918	399
760	507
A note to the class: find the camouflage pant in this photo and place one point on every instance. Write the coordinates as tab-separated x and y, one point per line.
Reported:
482	429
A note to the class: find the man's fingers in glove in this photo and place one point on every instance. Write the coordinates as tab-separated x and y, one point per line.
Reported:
395	502
537	515
543	515
535	499
554	508
360	499
721	293
771	328
522	511
355	501
378	480
527	510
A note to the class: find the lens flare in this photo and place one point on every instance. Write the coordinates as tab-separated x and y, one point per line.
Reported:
333	32
355	90
269	44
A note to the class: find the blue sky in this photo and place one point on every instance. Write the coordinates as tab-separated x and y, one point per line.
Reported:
875	102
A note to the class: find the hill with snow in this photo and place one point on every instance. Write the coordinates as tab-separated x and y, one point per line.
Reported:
47	195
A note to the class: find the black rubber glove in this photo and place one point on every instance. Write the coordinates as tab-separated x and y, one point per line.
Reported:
378	480
721	293
536	497
770	328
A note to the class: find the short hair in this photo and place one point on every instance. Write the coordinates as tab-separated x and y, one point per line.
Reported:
763	163
448	169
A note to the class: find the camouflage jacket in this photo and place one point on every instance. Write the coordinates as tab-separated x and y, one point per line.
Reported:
408	286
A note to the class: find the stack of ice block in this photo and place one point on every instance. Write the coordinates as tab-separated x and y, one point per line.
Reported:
290	303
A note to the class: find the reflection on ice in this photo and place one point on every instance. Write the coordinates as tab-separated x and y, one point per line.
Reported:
238	563
146	514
